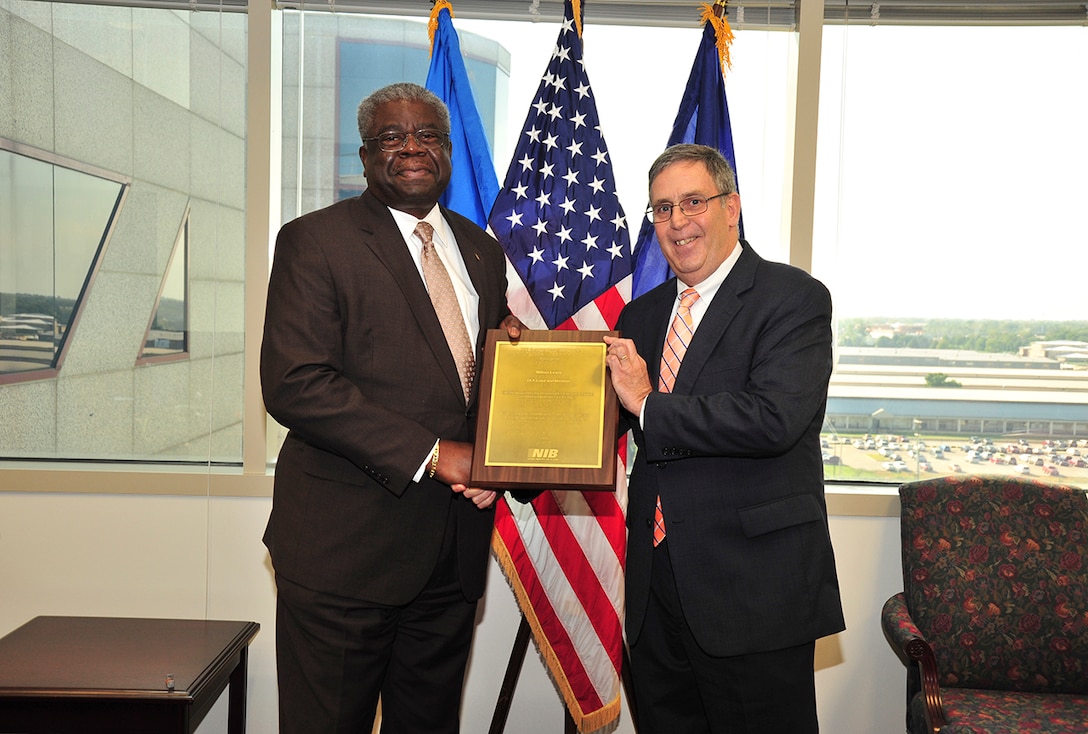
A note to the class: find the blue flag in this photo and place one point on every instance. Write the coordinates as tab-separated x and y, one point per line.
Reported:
558	216
703	118
473	183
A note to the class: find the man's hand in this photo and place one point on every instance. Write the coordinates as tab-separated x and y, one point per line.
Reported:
482	498
455	467
513	326
629	374
454	462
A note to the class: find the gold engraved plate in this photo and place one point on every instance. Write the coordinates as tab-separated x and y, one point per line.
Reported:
547	405
548	413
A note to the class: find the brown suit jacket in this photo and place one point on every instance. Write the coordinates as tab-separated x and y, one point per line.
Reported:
355	365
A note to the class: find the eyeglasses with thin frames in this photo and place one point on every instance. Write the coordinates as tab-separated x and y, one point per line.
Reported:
689	207
394	141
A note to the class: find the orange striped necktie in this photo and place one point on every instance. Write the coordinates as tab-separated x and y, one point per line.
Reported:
676	345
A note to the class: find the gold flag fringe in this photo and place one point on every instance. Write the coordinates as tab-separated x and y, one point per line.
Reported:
432	24
590	722
577	7
722	31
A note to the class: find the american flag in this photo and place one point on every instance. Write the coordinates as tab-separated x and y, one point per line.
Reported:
557	214
564	232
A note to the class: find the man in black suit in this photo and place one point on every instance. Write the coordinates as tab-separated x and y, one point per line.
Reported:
730	571
379	546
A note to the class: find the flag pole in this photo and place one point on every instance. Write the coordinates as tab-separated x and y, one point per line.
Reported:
510	680
513	672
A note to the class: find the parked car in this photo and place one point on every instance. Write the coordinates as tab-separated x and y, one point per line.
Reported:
1051	471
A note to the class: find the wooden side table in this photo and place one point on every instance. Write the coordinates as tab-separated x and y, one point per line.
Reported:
90	675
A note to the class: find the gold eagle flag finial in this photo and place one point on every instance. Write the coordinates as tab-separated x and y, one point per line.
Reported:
717	16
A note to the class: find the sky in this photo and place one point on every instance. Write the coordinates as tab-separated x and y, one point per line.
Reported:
950	170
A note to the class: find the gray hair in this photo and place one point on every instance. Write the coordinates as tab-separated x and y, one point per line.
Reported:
716	165
400	92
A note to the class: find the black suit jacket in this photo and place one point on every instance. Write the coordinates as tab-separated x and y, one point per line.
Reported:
355	365
734	453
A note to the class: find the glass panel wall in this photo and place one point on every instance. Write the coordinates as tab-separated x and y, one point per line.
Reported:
949	190
153	99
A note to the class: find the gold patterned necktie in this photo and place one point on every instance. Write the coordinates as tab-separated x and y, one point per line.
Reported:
444	299
676	344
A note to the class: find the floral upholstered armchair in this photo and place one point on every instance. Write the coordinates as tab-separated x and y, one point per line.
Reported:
993	620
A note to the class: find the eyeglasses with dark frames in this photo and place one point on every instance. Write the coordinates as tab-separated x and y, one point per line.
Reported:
689	207
394	141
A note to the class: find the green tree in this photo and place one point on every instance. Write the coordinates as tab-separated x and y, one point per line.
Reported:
940	379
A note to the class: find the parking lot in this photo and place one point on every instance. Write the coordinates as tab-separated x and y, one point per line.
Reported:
897	459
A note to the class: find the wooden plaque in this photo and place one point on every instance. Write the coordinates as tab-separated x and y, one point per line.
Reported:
548	412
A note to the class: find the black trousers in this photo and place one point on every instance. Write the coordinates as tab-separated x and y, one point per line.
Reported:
335	656
680	689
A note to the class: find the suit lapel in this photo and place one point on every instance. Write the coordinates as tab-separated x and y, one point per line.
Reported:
382	236
664	298
723	309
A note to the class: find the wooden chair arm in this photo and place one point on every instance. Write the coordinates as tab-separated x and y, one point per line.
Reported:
922	652
904	633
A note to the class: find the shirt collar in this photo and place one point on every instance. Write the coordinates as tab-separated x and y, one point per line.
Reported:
406	223
709	287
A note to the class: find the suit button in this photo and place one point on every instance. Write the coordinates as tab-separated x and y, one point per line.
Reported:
649	524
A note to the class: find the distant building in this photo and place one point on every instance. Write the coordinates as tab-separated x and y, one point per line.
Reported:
877	390
27	326
1069	354
942	359
890	331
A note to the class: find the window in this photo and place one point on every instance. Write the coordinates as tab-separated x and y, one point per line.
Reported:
949	189
55	222
636	100
153	97
167	337
122	233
